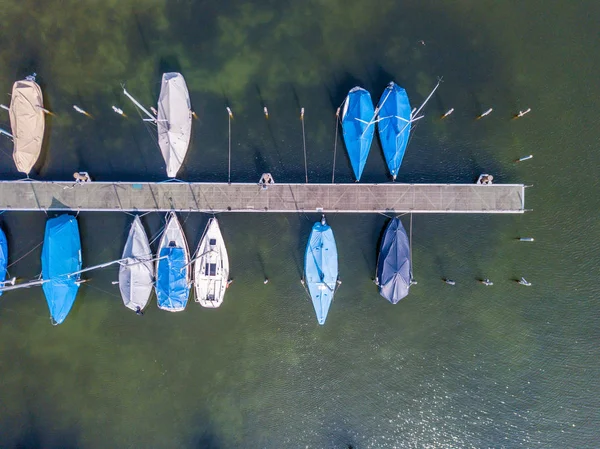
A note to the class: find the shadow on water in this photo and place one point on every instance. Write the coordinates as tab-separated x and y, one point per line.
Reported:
340	88
261	264
34	437
166	64
260	163
42	161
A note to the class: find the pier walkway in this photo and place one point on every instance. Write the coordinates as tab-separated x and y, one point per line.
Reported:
249	197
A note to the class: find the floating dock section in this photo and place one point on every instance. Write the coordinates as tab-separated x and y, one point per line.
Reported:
249	197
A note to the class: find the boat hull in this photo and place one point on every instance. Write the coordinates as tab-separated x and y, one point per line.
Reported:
61	255
394	126
393	265
174	121
211	269
321	269
27	122
136	273
172	268
358	127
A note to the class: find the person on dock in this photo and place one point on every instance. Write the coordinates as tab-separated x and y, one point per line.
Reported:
81	176
265	180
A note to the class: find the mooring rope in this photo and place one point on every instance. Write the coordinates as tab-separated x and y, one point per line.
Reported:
26	254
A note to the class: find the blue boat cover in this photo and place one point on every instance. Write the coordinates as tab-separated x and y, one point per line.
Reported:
172	287
394	125
321	268
359	127
393	267
3	258
61	255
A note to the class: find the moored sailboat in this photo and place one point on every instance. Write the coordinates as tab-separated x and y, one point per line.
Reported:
321	268
173	120
394	119
394	125
61	262
3	260
136	271
173	268
27	122
211	268
358	126
394	272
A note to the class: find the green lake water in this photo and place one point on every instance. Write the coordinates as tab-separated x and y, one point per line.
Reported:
447	367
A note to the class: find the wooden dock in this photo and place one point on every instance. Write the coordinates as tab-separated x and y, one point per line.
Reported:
247	197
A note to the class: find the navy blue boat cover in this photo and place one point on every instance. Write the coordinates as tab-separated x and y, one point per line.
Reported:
393	267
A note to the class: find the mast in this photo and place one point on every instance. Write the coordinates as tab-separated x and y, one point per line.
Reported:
426	100
112	262
415	113
139	105
377	109
24	285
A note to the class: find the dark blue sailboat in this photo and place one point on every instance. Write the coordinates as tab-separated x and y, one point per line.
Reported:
393	123
358	125
394	272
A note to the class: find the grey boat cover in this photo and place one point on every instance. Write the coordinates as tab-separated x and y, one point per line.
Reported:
393	267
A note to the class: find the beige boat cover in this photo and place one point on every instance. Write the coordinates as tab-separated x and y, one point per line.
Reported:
174	121
27	123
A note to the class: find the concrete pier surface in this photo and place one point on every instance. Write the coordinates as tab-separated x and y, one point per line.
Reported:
32	195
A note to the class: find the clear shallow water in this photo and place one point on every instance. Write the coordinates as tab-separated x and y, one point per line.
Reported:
467	366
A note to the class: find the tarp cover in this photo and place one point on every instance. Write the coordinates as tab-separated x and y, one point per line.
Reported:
174	121
358	133
172	289
321	268
61	255
394	125
27	123
3	258
393	268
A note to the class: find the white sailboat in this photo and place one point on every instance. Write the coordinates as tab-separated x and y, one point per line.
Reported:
211	269
136	272
173	273
27	122
173	120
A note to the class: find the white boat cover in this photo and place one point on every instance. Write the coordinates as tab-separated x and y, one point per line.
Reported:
27	123
136	274
211	269
174	121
